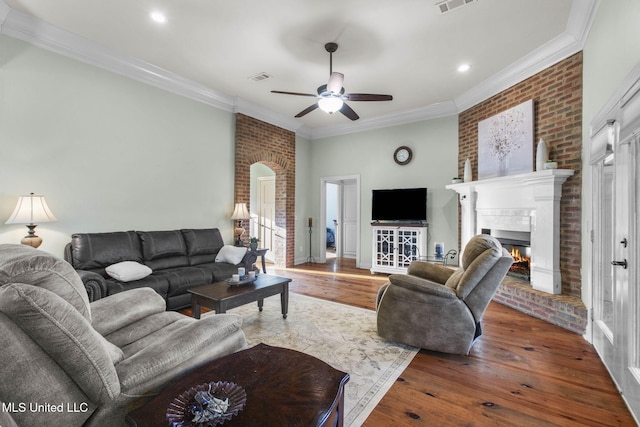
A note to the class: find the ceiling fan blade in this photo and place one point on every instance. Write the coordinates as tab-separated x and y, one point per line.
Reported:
307	110
348	111
294	93
335	82
366	97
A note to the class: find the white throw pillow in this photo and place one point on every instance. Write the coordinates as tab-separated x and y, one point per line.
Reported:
126	271
231	254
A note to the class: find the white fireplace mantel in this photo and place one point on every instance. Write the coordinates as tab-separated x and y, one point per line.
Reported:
528	202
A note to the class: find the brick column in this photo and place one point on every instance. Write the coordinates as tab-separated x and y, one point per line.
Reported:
260	142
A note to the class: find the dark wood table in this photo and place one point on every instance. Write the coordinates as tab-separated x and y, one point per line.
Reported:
262	253
284	388
221	297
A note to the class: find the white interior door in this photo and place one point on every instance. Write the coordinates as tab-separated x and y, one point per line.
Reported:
348	213
349	228
266	200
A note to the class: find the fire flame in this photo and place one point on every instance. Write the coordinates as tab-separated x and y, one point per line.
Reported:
515	253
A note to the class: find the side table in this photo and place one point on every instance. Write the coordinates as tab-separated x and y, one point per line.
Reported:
262	253
451	254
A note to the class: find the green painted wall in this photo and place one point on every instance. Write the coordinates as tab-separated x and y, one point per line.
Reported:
108	153
370	155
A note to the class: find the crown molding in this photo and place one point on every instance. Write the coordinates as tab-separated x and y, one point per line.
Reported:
561	47
38	33
256	111
4	12
583	12
428	112
24	27
547	55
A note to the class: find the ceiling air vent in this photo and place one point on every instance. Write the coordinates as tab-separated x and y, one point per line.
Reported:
260	77
449	5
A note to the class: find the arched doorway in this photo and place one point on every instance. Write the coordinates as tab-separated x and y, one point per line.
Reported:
274	147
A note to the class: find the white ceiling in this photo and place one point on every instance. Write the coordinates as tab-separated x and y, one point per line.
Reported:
209	49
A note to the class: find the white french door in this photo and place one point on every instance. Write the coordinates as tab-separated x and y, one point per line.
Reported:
616	298
604	292
266	201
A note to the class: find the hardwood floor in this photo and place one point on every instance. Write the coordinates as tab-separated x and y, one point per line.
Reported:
521	372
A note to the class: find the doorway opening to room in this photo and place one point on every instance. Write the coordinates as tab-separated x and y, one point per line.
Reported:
340	218
262	208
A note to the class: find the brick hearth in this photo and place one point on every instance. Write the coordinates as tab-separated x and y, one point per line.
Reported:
565	311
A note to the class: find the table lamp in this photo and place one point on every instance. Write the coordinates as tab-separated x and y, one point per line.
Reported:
30	210
240	212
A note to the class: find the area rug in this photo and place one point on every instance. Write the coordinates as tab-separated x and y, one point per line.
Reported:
345	337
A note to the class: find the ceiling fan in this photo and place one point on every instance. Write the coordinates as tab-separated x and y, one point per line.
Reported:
331	96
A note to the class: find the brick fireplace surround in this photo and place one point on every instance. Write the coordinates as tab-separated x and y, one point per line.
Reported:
557	96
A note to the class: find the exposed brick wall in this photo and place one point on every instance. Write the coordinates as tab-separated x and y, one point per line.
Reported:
260	142
557	95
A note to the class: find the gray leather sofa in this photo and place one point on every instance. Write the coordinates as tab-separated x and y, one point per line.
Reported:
68	362
179	260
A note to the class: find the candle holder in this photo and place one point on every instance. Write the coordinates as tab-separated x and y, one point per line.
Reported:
310	258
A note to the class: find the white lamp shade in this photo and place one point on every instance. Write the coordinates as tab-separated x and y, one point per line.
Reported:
31	209
330	104
240	211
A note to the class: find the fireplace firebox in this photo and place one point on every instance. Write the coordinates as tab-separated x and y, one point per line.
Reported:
518	245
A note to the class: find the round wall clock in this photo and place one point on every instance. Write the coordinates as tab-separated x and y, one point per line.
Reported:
402	155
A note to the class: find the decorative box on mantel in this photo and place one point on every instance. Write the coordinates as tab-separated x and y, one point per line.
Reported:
527	205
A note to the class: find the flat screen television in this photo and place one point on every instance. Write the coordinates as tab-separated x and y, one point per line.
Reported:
401	204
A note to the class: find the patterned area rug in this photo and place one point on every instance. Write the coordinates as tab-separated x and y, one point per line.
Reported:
345	337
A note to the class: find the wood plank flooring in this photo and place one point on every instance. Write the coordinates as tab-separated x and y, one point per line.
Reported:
522	371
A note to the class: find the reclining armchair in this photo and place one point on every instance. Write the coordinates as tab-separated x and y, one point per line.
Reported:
438	308
67	362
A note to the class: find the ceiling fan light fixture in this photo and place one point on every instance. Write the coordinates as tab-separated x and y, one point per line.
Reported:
330	104
331	96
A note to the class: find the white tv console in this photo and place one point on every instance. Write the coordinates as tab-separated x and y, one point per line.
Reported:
396	245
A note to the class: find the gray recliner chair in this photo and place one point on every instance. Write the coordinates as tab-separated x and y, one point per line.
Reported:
438	308
88	364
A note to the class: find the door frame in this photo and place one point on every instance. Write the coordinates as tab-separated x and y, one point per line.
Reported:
322	241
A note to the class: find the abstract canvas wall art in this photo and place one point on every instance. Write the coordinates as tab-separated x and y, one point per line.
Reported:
505	142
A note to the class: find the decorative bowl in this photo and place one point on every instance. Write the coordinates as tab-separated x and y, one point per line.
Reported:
206	405
243	280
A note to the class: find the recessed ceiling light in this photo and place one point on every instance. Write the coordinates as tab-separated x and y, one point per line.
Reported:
463	68
158	17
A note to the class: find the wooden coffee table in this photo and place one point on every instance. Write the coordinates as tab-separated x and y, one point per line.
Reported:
221	297
284	388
